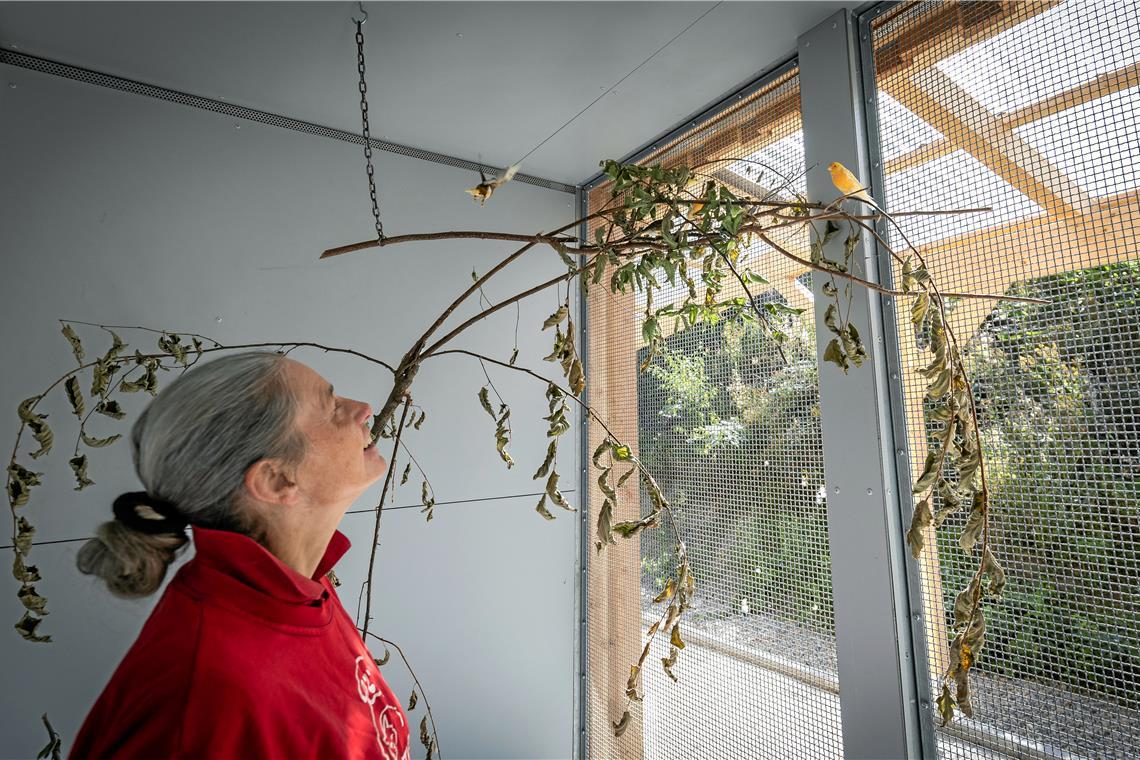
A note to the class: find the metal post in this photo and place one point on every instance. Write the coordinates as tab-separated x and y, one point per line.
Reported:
582	735
881	715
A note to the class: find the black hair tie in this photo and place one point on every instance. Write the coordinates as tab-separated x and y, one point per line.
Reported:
169	519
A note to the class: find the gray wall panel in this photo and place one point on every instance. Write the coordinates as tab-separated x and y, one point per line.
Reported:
124	210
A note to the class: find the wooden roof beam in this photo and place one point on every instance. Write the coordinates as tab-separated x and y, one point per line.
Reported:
973	128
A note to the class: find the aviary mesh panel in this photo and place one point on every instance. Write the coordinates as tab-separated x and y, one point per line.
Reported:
732	434
1031	108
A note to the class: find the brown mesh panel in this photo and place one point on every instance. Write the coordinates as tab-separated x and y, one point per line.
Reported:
733	436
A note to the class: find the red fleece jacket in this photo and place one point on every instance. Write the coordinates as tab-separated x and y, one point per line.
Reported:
245	658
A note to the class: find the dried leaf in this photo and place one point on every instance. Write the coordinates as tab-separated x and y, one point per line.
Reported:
75	396
577	378
420	420
918	308
412	701
429	503
407	472
544	469
110	409
514	357
621	725
604	484
991	567
542	510
667	592
25	532
21	480
834	354
853	345
381	662
629	529
675	637
605	530
975	524
962	692
485	402
556	318
98	443
940	386
31	600
53	750
79	467
172	344
24	573
929	473
667	664
73	339
27	628
831	318
964	603
975	635
946	705
556	495
603	447
634	673
922	518
503	437
425	737
24	410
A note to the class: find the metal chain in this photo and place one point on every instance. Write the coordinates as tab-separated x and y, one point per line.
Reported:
367	135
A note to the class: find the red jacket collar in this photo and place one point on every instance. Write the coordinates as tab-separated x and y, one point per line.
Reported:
250	563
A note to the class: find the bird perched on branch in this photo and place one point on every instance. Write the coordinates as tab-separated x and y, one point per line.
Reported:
848	184
485	188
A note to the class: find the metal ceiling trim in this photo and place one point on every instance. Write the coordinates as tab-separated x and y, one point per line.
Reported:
110	81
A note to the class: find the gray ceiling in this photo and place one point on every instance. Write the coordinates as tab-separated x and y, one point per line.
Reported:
468	79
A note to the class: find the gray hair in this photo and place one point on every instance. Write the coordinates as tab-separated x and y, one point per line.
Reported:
191	447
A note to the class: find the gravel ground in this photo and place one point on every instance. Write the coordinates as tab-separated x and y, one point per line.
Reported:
1045	714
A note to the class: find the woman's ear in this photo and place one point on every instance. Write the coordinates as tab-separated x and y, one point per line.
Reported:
268	481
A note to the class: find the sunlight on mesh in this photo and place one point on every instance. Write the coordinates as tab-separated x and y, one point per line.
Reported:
1097	144
733	437
1062	48
763	168
957	180
903	132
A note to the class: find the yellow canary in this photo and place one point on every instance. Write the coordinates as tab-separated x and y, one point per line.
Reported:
847	183
484	189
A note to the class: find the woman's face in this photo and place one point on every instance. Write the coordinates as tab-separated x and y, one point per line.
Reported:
337	467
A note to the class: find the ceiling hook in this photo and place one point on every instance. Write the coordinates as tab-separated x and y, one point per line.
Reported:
363	12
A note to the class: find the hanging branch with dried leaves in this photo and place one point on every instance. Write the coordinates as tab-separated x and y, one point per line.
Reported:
662	225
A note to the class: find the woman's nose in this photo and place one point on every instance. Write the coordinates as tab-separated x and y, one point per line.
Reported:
364	414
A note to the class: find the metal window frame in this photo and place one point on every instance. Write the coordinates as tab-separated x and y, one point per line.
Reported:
581	738
905	478
884	705
759	82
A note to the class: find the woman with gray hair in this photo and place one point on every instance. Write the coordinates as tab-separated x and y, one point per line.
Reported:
249	652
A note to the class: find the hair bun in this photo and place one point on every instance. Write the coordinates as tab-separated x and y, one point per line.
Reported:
144	513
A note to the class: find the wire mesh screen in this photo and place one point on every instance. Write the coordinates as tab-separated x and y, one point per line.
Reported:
1031	109
732	434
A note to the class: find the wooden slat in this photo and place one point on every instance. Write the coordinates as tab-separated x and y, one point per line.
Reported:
1103	86
614	602
971	127
1106	84
948	29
